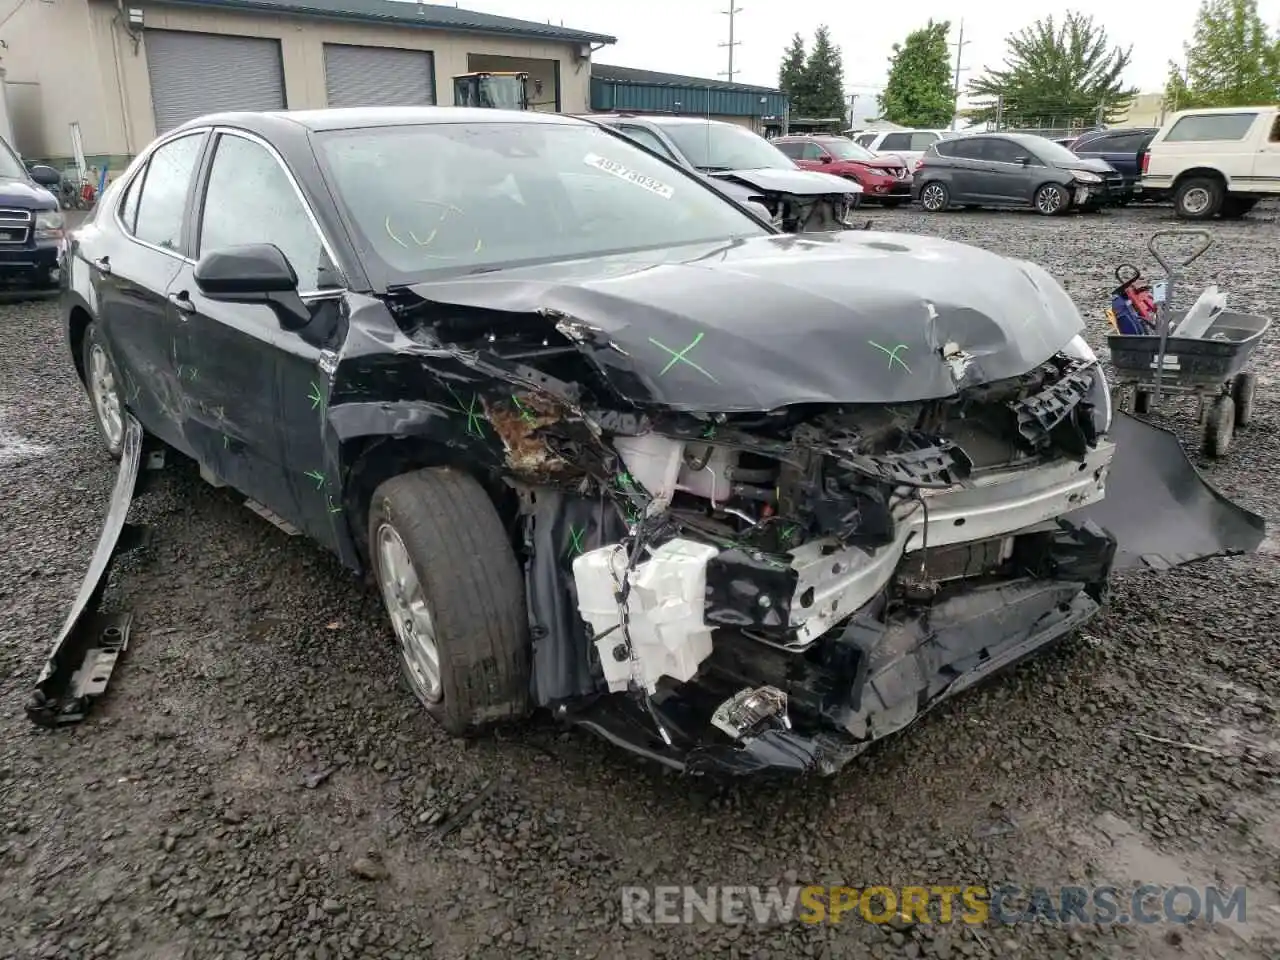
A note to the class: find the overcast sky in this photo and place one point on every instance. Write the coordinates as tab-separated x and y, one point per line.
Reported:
680	36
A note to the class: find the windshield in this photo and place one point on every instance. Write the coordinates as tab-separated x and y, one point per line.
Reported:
459	197
1051	152
848	150
723	146
11	167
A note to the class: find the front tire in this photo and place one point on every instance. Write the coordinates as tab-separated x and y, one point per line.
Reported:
935	197
1051	200
1199	198
102	382
452	586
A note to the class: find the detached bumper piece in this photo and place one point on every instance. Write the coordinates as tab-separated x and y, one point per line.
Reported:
756	709
89	645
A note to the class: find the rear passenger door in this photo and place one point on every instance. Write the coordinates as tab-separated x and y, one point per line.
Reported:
1004	178
961	159
258	393
132	278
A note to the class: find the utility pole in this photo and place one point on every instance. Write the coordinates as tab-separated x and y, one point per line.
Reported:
730	13
999	110
853	99
960	44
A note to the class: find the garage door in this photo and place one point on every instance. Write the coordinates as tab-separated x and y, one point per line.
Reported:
198	73
378	76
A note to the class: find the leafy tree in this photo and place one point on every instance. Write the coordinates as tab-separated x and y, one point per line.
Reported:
791	73
918	92
823	79
1233	62
1059	72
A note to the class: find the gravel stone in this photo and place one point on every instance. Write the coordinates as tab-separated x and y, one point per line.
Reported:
256	742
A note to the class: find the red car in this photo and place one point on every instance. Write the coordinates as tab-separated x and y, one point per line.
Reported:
885	180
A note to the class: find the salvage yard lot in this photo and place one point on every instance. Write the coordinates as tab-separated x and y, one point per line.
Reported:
258	783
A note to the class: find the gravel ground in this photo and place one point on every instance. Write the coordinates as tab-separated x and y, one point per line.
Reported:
258	784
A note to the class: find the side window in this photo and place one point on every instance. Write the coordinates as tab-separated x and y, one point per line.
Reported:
129	202
646	138
250	199
896	141
866	140
792	148
1211	126
812	152
921	141
1275	130
162	203
1002	151
961	149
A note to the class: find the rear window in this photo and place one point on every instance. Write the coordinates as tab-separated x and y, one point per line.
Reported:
1211	126
1115	143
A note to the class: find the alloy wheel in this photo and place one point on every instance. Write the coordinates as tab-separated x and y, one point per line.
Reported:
1196	201
410	614
1049	200
933	198
106	399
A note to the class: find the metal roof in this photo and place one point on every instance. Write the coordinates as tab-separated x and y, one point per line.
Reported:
604	71
428	16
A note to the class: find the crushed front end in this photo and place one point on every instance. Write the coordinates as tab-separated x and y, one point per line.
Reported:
774	592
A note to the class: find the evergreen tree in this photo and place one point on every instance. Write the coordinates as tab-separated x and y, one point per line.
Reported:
1234	60
1056	73
919	91
823	79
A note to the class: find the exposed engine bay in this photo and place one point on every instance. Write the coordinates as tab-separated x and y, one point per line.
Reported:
763	556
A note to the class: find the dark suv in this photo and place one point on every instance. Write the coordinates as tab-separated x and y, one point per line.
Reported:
31	239
1012	170
1122	148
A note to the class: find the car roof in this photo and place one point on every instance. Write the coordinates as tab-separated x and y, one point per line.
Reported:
353	118
1116	131
661	120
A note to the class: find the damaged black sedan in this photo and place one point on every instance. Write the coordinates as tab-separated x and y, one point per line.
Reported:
608	443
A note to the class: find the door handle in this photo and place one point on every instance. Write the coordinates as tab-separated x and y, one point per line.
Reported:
182	302
103	264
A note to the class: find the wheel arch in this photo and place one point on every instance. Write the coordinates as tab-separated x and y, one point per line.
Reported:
1211	173
370	460
78	320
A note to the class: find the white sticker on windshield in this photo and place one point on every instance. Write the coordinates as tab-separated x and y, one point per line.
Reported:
639	179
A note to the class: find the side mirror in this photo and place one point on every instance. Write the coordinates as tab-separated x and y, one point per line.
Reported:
1025	161
254	273
45	176
825	158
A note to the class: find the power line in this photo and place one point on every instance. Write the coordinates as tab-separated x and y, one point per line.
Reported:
730	13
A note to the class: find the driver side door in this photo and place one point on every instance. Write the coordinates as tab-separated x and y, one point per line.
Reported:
256	393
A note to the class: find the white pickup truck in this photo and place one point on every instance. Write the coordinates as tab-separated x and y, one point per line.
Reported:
1215	161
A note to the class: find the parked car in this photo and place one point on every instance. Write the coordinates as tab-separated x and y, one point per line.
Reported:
1121	147
606	442
1012	170
886	179
744	165
1215	161
910	145
31	226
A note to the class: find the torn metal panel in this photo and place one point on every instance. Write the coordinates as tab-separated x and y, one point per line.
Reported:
893	660
700	329
1161	510
85	652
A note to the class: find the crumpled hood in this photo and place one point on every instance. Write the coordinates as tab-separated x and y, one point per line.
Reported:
27	196
1092	164
804	183
848	317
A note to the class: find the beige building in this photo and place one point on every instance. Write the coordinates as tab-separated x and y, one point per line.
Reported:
114	73
1146	110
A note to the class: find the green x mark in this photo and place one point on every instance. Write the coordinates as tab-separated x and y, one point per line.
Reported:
317	477
682	356
525	413
575	537
893	354
315	396
475	417
333	507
